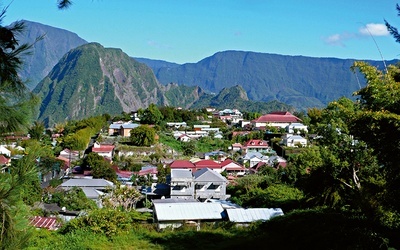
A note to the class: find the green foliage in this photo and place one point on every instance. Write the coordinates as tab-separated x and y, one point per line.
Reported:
283	196
73	199
163	172
122	197
173	114
55	182
143	135
151	115
17	104
207	144
100	167
171	142
13	212
77	141
105	221
36	131
378	124
329	230
189	148
264	190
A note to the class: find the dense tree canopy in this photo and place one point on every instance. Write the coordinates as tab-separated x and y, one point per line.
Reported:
143	135
99	166
151	115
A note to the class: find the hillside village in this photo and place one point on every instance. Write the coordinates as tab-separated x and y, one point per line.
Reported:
194	180
258	151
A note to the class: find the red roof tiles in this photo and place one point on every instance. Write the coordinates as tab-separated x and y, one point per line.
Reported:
207	164
103	149
256	144
182	164
277	117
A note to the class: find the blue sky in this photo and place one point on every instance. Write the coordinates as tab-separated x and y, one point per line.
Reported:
184	31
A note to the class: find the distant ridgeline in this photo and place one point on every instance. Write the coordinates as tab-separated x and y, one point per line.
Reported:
91	80
298	81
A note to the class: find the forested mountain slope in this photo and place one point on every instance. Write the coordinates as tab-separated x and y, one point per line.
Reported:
295	80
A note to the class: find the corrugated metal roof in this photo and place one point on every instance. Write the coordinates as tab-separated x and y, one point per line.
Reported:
92	193
181	174
174	200
130	125
82	182
115	126
188	211
252	214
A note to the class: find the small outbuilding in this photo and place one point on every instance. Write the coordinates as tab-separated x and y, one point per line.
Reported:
174	215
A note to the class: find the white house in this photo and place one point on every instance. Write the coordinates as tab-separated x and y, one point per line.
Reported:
254	158
291	140
103	150
299	127
5	151
275	119
177	125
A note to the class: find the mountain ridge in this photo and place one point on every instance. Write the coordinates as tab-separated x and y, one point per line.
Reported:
298	81
46	52
93	80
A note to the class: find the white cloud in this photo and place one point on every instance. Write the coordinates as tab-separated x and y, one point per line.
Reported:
158	45
371	29
338	39
374	29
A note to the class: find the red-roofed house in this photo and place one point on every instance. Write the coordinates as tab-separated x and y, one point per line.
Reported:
182	164
45	222
4	163
122	174
107	151
279	119
233	168
256	146
208	164
256	168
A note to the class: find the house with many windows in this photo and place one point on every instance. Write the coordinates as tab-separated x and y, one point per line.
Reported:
181	184
256	146
203	184
208	184
291	140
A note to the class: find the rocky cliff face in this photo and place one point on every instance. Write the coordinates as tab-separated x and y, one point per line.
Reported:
92	80
46	52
